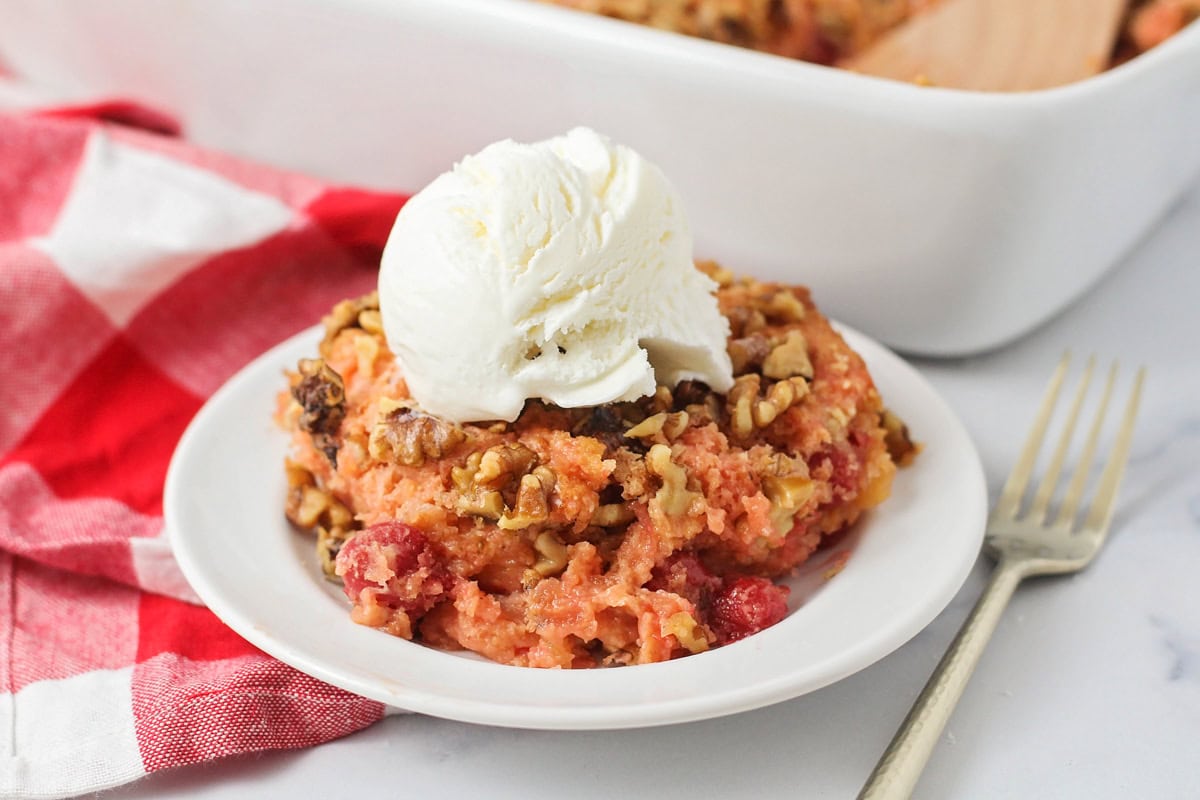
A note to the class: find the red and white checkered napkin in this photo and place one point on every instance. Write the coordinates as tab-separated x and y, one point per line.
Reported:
137	274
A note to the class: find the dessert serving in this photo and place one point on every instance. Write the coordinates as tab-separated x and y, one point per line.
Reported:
551	439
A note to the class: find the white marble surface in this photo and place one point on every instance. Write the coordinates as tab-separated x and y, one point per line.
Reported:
1090	689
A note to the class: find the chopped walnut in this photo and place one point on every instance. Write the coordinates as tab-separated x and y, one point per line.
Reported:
741	400
631	474
789	359
787	495
745	321
673	496
610	515
552	555
474	498
404	435
533	501
322	398
503	462
361	312
689	633
748	412
662	400
748	352
661	425
371	321
481	502
311	507
707	413
782	306
512	469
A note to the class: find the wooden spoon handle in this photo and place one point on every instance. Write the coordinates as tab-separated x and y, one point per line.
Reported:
998	45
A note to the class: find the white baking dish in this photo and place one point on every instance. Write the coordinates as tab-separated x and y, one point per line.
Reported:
942	222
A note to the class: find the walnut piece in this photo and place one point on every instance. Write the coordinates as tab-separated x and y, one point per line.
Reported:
787	495
748	352
748	412
360	312
789	359
661	425
673	496
782	306
610	515
404	435
485	478
322	399
689	633
745	321
533	501
552	555
313	508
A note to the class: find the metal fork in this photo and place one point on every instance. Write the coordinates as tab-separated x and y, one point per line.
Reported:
1022	544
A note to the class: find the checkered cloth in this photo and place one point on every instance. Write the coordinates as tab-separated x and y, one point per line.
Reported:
138	273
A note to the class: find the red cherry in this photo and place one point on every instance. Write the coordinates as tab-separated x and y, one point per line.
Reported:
747	605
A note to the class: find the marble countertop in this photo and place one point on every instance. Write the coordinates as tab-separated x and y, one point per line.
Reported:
1090	688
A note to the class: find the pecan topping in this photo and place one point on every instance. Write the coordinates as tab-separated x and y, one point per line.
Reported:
406	436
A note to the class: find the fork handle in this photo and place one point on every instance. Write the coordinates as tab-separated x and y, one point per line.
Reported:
896	774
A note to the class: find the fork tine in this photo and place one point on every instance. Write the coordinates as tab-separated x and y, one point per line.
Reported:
1100	514
1045	490
1070	503
1018	479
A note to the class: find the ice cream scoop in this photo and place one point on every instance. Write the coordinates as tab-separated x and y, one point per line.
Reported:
559	270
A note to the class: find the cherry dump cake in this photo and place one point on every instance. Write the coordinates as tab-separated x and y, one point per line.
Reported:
623	533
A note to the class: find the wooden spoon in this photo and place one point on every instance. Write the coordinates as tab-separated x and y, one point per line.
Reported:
998	45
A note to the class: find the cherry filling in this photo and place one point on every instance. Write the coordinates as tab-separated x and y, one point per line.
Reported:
395	566
683	574
746	605
733	608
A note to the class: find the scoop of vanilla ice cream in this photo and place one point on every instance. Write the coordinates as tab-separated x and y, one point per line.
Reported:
559	270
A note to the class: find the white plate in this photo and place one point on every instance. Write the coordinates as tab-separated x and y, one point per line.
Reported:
224	512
